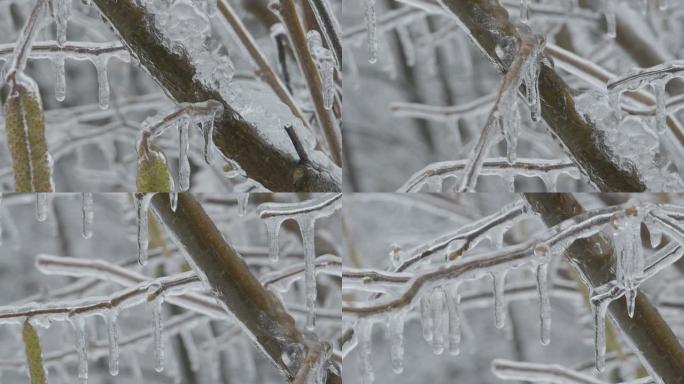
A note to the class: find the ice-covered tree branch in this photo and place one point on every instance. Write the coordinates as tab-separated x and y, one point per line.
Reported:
488	26
258	311
237	138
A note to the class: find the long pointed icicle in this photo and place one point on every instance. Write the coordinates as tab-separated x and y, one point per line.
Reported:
426	317
88	215
273	229
183	162
113	337
103	81
498	280
629	254
142	204
41	206
599	309
453	301
396	336
438	297
544	303
62	10
78	323
156	302
60	74
609	14
661	107
365	329
306	226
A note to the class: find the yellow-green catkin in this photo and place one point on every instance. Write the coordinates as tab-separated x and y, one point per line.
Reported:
34	358
153	171
25	122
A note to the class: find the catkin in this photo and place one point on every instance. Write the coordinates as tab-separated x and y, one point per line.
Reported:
153	171
25	122
34	358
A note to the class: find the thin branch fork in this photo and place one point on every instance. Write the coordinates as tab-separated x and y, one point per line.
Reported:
235	137
488	24
256	309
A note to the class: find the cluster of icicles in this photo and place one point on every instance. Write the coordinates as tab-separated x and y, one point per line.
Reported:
99	54
305	214
87	211
438	301
153	294
185	116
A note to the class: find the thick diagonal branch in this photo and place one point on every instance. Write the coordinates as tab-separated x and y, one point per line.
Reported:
489	26
647	332
235	137
258	311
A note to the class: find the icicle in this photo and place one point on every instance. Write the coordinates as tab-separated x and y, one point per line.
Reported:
453	301
326	66
102	80
599	309
273	228
173	198
498	280
41	206
88	215
508	179
113	336
78	323
306	226
511	132
609	14
531	77
365	329
426	317
208	132
407	45
629	262
655	235
60	74
544	303
438	298
396	335
661	107
142	207
158	328
183	162
372	27
62	10
242	199
395	255
524	10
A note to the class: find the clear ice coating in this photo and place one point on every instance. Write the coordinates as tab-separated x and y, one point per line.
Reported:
157	325
88	214
306	226
142	205
326	66
372	30
41	206
544	303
